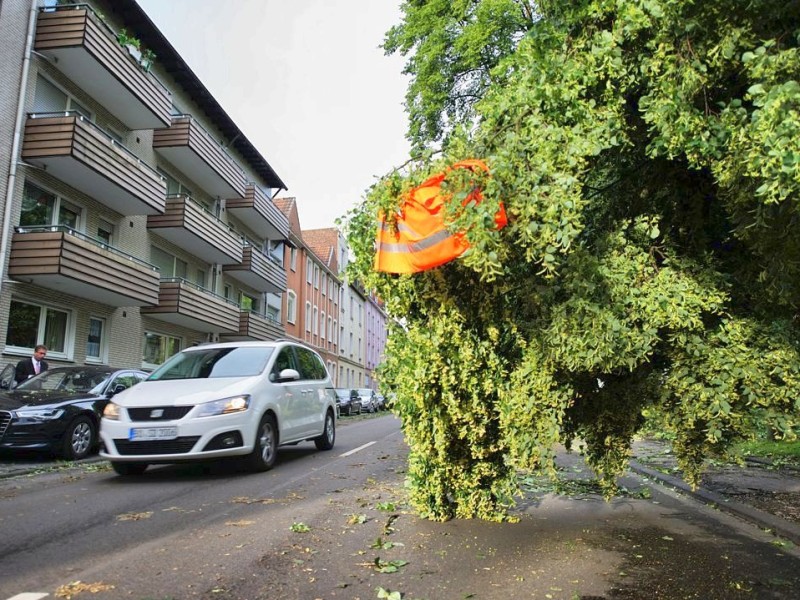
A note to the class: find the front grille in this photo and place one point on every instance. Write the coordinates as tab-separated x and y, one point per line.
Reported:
180	445
169	413
5	419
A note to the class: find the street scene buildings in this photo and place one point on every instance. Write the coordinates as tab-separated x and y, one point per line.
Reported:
137	217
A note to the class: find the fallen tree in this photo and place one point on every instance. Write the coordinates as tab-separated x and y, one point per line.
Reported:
647	153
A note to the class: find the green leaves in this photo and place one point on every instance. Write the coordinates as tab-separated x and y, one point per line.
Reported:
647	154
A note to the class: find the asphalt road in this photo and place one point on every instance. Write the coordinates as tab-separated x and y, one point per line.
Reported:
325	524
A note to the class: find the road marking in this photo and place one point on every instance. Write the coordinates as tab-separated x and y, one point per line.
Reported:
29	596
354	450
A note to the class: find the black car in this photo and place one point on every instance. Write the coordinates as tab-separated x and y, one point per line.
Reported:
59	410
346	404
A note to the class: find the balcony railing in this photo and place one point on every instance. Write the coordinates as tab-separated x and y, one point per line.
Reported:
260	272
189	305
83	155
255	326
65	260
83	47
189	225
188	146
260	213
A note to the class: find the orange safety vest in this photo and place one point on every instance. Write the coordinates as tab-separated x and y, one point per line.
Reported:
420	240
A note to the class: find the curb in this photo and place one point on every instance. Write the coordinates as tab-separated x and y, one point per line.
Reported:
780	527
9	471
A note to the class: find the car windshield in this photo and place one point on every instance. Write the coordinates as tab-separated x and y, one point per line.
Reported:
69	380
343	393
214	363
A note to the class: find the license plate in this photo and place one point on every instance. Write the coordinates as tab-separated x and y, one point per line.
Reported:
139	434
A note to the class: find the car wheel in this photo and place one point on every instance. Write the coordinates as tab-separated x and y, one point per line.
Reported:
128	468
328	437
265	449
79	439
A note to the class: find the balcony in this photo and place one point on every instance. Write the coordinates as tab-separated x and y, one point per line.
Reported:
187	224
78	152
258	271
190	148
85	49
64	260
260	214
253	326
189	305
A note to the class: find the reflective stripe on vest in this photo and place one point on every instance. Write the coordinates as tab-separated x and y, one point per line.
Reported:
420	239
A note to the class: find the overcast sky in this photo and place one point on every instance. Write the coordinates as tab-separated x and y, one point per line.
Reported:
306	82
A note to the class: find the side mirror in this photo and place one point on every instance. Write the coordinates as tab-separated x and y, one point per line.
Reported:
117	389
288	375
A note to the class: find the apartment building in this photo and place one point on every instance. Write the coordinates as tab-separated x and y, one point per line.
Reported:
137	218
311	304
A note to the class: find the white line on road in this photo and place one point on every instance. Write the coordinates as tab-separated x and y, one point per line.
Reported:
29	596
354	450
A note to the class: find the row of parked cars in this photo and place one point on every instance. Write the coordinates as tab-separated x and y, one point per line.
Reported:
238	399
354	402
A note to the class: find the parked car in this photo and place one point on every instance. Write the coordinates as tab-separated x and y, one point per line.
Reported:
233	399
367	399
347	405
59	410
380	401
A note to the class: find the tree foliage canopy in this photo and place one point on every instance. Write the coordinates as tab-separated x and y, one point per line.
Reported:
647	153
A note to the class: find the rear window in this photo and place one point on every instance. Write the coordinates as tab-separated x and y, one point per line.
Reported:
214	363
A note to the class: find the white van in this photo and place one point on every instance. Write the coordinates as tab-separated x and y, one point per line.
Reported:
222	400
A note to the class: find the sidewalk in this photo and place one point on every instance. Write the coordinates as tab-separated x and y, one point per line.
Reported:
765	495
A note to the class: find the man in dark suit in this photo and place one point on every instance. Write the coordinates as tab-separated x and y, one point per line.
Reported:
29	367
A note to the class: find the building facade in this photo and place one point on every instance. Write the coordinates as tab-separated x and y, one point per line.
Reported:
137	218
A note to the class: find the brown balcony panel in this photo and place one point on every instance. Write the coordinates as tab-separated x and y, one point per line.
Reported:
187	225
182	304
255	327
187	146
258	272
86	51
65	263
76	152
260	214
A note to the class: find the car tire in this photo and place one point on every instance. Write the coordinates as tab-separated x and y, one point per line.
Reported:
328	437
80	438
265	448
128	468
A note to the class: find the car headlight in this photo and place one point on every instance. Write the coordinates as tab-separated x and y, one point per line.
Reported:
224	407
40	414
111	412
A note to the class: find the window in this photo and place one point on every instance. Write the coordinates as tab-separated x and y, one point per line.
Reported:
330	329
324	278
40	207
322	324
30	324
316	277
175	187
226	291
311	366
248	302
95	341
168	265
50	99
335	332
274	307
315	320
200	277
293	259
276	251
158	348
291	306
309	271
105	232
308	316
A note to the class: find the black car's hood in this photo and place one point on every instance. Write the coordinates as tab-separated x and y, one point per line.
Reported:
18	398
